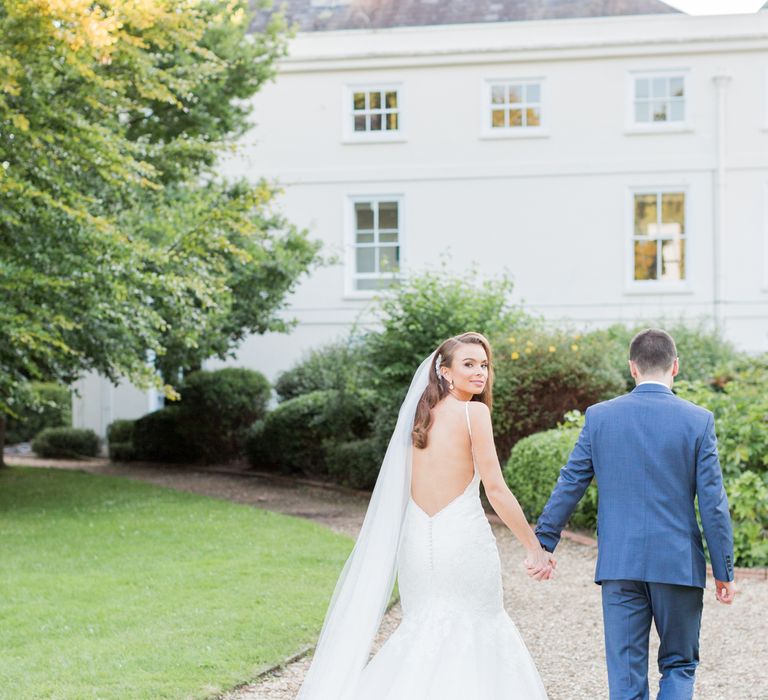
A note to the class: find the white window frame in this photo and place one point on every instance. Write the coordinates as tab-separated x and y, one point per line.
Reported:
517	132
765	237
350	272
633	286
765	100
633	127
350	136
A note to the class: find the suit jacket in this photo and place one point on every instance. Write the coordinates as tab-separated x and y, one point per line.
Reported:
652	454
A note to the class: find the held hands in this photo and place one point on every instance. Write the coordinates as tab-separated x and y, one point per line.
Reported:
540	564
725	591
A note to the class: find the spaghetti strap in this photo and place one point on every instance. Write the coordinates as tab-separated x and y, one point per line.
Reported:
469	427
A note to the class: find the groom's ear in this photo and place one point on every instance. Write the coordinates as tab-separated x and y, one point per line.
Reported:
632	369
676	367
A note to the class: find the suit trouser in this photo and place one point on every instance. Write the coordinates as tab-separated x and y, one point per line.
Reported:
628	608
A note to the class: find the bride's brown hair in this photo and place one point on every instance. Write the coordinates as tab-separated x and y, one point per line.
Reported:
437	387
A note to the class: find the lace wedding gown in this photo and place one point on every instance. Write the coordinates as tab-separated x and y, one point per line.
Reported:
455	641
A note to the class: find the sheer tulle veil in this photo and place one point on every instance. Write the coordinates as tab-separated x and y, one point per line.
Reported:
367	579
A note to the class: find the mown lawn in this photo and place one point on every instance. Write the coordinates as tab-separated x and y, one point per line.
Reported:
111	588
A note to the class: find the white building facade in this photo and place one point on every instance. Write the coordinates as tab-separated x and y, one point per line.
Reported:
615	167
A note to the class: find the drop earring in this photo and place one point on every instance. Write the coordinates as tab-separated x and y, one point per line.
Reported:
450	386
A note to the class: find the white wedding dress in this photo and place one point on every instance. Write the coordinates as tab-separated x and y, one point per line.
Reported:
455	641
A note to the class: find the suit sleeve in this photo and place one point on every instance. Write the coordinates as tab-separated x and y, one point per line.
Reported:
713	505
573	481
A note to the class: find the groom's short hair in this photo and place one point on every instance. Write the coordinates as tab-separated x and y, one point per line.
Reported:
652	349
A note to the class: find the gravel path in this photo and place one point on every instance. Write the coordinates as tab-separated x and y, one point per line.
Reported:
560	620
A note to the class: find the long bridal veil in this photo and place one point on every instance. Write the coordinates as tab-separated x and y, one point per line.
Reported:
367	579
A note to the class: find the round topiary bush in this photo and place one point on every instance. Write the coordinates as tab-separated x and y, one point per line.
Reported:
355	463
295	437
120	440
533	468
66	442
158	437
290	438
218	407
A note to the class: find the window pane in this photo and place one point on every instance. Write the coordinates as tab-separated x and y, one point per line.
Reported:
364	237
374	100
391	100
497	118
673	260
645	213
358	100
532	117
659	111
360	123
676	87
388	215
375	283
389	258
642	112
497	94
515	117
645	260
364	216
659	87
533	92
677	111
673	212
642	89
388	237
366	259
376	122
392	122
515	94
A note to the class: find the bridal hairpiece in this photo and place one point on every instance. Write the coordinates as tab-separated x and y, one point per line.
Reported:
438	362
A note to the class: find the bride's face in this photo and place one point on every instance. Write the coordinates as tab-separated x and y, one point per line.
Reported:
469	369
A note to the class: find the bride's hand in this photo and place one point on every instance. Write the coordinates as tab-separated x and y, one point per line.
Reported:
540	564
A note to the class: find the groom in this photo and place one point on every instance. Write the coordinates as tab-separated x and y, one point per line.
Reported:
652	454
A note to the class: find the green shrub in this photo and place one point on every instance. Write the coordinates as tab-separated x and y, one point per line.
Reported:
355	463
533	468
290	438
159	437
295	436
120	440
218	407
541	375
702	350
66	442
341	363
47	406
748	501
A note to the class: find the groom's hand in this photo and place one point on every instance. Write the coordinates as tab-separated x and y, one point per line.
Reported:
725	591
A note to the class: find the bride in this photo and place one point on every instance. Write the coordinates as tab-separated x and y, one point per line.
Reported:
426	526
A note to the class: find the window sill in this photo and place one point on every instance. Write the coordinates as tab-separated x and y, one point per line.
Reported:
656	288
515	133
659	129
357	140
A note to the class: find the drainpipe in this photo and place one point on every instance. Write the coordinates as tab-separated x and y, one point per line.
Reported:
721	81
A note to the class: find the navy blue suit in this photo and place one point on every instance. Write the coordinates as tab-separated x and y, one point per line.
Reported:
652	454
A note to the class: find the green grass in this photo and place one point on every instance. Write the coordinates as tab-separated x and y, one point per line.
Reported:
115	589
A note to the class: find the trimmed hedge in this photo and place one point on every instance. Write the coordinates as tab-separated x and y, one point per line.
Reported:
48	406
158	437
533	468
218	407
296	435
355	463
120	440
66	442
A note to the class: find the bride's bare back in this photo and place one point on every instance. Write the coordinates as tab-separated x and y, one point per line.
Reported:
443	469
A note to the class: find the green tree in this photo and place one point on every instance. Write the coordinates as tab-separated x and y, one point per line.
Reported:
118	243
